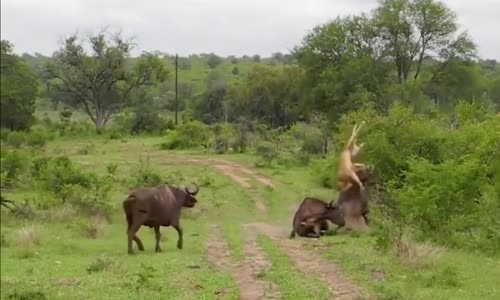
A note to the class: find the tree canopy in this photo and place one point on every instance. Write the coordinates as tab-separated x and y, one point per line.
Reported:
100	82
19	89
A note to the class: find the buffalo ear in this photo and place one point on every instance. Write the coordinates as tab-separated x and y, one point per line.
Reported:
332	204
335	205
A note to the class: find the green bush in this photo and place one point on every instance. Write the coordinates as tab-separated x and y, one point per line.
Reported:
442	181
38	137
70	184
60	172
225	137
145	175
92	200
13	165
188	135
16	139
146	119
267	152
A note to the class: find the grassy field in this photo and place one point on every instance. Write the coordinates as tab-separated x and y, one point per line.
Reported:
236	242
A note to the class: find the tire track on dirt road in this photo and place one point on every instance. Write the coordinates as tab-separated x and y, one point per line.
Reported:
312	263
239	174
245	274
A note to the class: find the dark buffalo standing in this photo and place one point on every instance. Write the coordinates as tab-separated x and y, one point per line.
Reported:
154	207
312	215
355	201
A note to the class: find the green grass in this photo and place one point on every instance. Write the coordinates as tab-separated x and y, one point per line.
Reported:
57	265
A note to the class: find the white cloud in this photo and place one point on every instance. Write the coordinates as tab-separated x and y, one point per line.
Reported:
221	26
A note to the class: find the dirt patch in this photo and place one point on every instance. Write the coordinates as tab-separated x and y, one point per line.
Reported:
234	167
264	180
232	172
241	175
244	274
312	263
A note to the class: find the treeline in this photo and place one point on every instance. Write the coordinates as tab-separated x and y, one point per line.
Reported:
409	52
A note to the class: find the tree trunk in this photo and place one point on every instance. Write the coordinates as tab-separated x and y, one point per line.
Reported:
100	121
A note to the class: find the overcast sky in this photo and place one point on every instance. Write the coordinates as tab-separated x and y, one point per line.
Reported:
226	27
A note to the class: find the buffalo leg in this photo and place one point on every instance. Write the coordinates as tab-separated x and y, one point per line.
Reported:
179	233
157	236
131	236
316	230
292	234
324	227
138	242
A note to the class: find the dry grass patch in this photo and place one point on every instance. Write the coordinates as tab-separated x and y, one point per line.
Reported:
417	254
26	239
94	227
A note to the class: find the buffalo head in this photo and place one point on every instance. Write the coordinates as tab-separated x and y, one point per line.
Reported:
190	200
366	174
335	213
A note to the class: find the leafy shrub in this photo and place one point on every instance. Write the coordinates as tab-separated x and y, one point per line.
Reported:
325	170
93	200
60	172
101	264
38	165
38	138
307	140
243	136
16	139
13	165
225	136
267	152
111	169
206	178
442	182
142	278
145	175
146	119
188	135
70	184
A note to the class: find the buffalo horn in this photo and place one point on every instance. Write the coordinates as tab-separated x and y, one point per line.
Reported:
188	189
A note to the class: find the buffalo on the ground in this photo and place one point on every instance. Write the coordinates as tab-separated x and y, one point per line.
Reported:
310	219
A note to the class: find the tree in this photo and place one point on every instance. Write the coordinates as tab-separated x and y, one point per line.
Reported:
235	71
233	60
268	94
344	66
185	89
352	60
209	107
416	30
19	90
213	61
101	82
184	63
